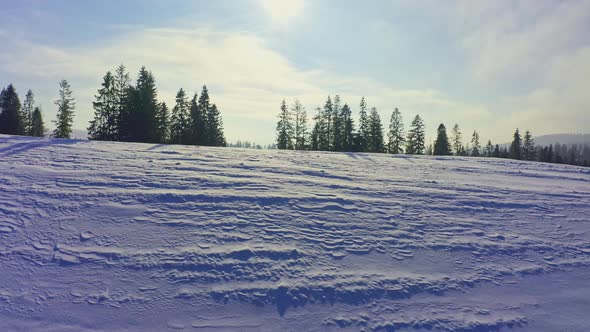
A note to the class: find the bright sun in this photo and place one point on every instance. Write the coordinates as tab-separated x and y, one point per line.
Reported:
282	11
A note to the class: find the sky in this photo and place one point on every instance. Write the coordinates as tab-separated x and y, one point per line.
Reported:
490	66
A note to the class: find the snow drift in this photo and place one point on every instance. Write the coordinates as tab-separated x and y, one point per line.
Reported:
114	236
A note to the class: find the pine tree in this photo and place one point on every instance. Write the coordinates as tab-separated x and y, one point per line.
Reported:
163	123
37	125
104	125
529	151
396	133
198	121
326	139
476	145
441	145
363	126
347	128
516	146
456	142
416	136
284	128
215	127
27	112
318	129
375	140
143	106
204	106
300	128
10	112
496	153
65	111
179	120
336	135
122	83
489	149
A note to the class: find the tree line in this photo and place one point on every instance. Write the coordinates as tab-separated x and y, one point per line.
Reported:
132	113
334	130
122	112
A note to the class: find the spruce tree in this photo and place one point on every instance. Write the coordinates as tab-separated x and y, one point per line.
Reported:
441	145
456	142
163	126
179	120
336	135
489	149
496	153
347	128
516	146
318	129
529	151
122	83
37	125
396	133
363	126
375	140
475	144
284	128
104	125
143	106
300	126
204	106
10	112
27	112
415	140
65	111
215	127
326	140
198	121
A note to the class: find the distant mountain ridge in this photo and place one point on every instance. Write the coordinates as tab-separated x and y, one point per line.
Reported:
568	139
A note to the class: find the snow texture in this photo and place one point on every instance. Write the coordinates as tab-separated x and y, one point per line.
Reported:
98	236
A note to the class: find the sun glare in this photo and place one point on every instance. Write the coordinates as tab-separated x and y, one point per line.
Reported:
282	11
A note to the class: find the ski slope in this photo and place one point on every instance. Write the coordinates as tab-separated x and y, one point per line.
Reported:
98	236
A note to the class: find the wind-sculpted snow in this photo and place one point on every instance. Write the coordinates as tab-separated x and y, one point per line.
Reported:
115	236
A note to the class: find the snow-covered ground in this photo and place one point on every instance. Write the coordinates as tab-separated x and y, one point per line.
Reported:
114	236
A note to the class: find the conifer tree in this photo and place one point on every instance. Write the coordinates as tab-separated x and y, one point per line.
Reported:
347	128
475	144
336	135
284	128
326	140
489	149
163	126
37	125
27	112
456	142
496	153
122	83
441	145
65	111
10	112
104	125
516	146
396	133
363	126
179	120
416	136
300	126
317	131
215	127
143	106
204	106
199	118
529	151
375	140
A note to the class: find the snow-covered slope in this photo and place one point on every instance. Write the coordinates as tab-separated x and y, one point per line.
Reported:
113	236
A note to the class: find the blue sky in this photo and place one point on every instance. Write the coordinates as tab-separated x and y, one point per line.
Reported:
486	65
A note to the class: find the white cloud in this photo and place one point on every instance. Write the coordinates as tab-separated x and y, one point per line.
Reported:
281	12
